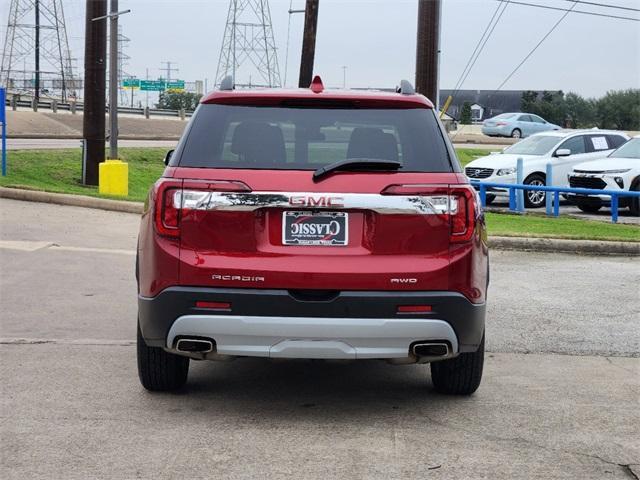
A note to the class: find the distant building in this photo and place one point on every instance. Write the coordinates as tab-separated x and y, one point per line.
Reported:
484	103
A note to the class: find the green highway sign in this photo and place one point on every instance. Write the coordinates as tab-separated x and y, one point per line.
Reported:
131	83
152	85
175	85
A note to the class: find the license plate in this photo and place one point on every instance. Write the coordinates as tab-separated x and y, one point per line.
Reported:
315	228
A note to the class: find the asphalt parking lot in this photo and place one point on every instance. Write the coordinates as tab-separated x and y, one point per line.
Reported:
560	397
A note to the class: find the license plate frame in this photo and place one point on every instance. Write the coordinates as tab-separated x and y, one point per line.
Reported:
330	229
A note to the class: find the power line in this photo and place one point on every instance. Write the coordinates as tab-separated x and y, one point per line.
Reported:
555	25
607	5
506	4
584	12
458	83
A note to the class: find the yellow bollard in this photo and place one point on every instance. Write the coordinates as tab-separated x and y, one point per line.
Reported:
113	178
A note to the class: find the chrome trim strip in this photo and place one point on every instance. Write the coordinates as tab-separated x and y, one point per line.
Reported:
240	201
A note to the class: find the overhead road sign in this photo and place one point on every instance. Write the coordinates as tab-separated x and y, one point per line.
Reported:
131	84
175	86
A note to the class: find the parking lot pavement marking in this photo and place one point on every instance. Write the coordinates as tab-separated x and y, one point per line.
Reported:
116	251
24	246
32	246
63	341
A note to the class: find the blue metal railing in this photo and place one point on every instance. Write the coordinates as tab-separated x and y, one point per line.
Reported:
555	211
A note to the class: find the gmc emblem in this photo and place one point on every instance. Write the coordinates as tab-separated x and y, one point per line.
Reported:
319	201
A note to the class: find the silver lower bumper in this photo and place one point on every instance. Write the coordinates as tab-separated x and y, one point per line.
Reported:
311	337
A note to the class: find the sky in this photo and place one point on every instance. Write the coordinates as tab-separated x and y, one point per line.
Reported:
376	41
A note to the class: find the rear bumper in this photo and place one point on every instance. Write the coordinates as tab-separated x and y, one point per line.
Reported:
503	131
265	322
312	337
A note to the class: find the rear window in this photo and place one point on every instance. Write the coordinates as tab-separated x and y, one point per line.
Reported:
503	116
303	138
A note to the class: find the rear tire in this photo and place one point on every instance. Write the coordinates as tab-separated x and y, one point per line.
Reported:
489	198
460	375
516	133
585	207
160	371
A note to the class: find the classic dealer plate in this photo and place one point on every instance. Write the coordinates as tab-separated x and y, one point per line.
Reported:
315	228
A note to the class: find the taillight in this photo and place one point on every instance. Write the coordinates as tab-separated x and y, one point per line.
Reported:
167	213
463	221
455	201
176	197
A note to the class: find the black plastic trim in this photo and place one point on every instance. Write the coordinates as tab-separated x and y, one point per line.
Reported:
157	314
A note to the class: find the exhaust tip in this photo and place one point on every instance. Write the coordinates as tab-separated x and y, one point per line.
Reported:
194	345
431	349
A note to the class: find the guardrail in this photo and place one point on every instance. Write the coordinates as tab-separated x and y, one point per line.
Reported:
557	191
74	107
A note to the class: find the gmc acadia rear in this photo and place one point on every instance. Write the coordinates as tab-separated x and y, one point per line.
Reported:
313	224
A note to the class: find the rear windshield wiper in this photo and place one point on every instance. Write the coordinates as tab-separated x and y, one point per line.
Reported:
356	164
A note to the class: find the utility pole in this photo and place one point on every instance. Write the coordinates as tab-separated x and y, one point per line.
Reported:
344	76
95	52
113	79
36	93
308	43
428	49
168	69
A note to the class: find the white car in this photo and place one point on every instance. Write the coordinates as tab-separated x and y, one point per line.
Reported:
619	171
564	149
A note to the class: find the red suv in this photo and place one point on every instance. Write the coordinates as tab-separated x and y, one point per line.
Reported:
313	224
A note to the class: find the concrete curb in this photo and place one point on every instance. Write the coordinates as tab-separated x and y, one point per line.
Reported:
533	244
556	245
71	200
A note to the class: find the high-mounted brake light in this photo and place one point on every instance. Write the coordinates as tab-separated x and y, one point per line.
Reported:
456	201
173	198
316	85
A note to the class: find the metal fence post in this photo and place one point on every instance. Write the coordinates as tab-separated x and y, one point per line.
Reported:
512	198
519	180
614	208
483	196
556	203
549	181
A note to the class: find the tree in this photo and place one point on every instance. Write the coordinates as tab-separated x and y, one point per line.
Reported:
178	101
465	114
549	105
528	101
619	110
581	112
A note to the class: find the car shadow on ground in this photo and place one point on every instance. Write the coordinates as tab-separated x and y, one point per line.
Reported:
280	389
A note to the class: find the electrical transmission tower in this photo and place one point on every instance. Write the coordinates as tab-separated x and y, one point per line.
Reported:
123	61
36	59
248	48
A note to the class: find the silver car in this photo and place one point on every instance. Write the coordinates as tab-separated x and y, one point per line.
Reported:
516	125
